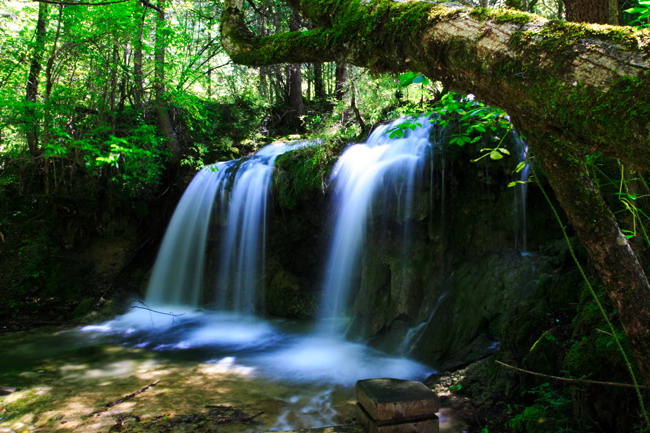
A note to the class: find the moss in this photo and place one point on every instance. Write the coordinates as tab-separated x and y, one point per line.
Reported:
21	405
300	174
285	296
502	15
608	118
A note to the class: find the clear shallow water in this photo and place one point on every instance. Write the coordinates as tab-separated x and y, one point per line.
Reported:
274	367
273	349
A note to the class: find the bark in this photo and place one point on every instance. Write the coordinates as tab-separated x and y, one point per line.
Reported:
340	81
596	226
355	109
592	11
319	87
49	68
164	120
31	89
295	101
572	89
138	76
114	82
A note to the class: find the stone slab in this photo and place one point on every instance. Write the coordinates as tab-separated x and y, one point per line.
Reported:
428	425
394	400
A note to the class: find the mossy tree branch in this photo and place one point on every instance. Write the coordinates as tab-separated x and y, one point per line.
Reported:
589	83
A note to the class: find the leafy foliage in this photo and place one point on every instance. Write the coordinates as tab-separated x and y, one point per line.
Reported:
549	413
640	14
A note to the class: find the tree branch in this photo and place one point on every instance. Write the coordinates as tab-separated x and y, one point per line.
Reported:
125	398
247	48
568	379
567	76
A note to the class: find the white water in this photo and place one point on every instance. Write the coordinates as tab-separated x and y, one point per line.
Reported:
361	174
259	347
414	334
314	375
521	194
238	191
177	276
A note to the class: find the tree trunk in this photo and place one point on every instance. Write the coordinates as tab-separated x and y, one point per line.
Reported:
319	88
295	102
49	68
138	76
573	89
596	226
164	120
31	89
263	86
340	80
114	79
593	11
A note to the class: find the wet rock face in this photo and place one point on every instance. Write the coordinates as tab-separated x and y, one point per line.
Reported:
436	284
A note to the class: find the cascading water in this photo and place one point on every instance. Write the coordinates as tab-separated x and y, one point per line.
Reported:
235	195
213	255
237	191
380	166
521	193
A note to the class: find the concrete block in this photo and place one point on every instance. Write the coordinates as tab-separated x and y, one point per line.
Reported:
427	425
395	400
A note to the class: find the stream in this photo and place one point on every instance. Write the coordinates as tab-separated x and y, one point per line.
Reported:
243	374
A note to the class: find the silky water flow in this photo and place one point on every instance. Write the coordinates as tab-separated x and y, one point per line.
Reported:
234	197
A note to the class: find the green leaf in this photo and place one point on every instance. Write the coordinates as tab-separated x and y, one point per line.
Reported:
504	151
421	79
407	79
495	155
520	166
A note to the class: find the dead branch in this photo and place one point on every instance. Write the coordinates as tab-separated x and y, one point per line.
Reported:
155	311
125	398
569	379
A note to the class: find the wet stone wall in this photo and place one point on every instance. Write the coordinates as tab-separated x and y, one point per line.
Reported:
438	283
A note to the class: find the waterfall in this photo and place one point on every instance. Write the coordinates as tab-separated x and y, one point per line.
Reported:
234	194
380	166
521	191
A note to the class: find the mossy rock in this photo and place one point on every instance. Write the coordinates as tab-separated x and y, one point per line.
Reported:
285	296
